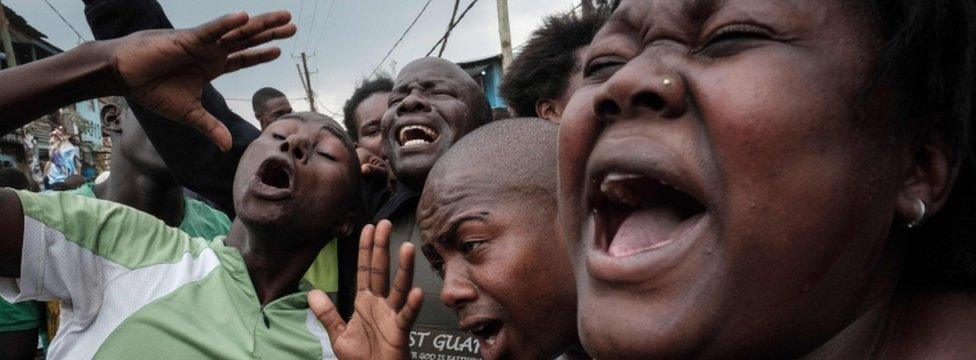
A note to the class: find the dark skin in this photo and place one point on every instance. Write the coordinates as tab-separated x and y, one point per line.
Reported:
139	177
281	227
380	326
438	96
553	109
481	239
272	109
163	70
369	115
783	237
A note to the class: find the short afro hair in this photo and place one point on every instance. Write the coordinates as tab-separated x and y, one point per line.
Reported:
262	96
365	89
543	69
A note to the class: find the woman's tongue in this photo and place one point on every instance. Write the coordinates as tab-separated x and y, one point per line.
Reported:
645	229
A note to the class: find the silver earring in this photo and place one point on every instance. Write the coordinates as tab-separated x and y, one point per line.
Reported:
920	215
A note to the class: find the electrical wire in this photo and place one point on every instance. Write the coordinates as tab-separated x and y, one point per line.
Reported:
318	42
298	24
450	28
312	28
65	20
375	69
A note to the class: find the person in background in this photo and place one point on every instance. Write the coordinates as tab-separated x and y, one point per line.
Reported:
64	158
269	104
544	76
19	323
363	113
140	179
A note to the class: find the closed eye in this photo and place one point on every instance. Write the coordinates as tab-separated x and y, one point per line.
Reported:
733	39
602	67
278	136
327	155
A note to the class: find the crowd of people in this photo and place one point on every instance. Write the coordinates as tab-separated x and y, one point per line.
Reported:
682	179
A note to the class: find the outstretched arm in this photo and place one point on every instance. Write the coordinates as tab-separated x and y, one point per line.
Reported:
162	70
194	161
380	327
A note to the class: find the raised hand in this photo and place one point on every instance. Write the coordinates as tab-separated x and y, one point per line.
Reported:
166	70
380	327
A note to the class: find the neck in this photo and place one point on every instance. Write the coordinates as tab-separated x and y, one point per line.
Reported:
275	265
158	196
865	336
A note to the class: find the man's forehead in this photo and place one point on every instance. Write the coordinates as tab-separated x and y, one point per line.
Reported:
326	123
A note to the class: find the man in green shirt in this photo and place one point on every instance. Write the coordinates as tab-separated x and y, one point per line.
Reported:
140	179
140	289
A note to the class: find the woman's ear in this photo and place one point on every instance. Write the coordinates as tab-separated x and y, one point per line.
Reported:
929	179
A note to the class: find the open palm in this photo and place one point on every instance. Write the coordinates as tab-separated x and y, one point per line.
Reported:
166	70
380	326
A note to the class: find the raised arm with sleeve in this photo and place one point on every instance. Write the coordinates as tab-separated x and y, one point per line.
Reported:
195	162
162	70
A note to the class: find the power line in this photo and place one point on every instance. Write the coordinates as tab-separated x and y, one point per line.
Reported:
457	3
65	20
312	28
448	32
294	39
318	42
329	111
401	38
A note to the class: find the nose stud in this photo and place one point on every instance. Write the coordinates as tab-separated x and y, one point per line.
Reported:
667	82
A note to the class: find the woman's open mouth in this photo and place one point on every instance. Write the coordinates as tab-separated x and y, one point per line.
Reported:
637	213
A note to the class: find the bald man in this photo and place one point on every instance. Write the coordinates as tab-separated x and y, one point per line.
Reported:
489	228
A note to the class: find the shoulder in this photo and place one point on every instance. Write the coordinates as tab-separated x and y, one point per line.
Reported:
934	325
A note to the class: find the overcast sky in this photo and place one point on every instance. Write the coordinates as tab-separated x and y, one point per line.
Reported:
347	42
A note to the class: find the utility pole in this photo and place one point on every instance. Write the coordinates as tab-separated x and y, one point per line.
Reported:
303	75
8	46
33	162
505	33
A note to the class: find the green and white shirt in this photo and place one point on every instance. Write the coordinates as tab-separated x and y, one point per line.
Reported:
132	287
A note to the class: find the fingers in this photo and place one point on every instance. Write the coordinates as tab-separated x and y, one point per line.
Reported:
211	31
250	57
365	255
326	312
404	277
258	31
380	266
408	315
200	119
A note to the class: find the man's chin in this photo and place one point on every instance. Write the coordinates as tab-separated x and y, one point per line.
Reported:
413	169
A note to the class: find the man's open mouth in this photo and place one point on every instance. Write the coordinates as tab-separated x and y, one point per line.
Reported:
416	135
636	213
273	180
490	336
